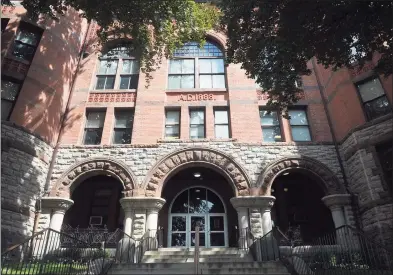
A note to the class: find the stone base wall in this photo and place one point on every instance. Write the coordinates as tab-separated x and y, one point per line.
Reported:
25	161
366	178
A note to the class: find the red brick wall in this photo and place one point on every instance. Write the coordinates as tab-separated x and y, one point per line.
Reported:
43	96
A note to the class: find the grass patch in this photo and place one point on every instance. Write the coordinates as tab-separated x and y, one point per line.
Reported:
43	268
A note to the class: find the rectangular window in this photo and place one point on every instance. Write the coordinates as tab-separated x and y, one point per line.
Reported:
221	123
374	98
270	125
299	125
172	124
93	129
197	123
106	74
124	119
211	73
129	74
26	41
181	74
9	92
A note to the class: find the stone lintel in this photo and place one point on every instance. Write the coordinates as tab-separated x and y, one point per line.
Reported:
56	204
337	200
146	203
263	202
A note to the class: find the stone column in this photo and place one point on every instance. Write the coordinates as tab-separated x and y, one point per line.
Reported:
254	213
57	207
338	204
141	214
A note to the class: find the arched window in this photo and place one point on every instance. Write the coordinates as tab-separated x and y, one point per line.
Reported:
117	70
194	67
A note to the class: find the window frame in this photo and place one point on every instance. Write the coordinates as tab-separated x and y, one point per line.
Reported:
198	109
29	28
178	110
305	110
130	111
279	125
7	78
197	70
88	110
119	71
220	109
362	103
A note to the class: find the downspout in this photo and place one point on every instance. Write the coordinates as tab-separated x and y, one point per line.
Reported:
62	126
321	89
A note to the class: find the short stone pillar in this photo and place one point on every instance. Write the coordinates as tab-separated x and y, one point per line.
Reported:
141	215
57	207
340	206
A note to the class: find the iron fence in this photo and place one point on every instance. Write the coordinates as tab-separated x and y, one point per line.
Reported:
42	254
345	251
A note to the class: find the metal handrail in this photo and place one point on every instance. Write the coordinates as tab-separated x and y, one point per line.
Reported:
196	252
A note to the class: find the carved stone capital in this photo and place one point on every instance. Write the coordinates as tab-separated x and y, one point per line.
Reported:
60	205
265	203
149	204
337	200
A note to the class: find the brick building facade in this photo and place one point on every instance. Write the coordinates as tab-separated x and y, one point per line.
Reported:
197	126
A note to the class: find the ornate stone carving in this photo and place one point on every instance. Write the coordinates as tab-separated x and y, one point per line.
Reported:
107	166
216	159
331	182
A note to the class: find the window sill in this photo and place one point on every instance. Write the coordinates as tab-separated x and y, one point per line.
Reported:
115	91
196	90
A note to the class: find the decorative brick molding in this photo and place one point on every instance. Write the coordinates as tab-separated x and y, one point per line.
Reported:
112	97
93	166
207	157
331	183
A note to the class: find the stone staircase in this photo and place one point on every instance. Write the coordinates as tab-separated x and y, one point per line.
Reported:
212	261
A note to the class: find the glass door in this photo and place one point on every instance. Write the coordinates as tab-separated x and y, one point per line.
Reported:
217	229
178	234
197	220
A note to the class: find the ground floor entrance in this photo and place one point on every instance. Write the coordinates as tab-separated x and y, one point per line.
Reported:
197	206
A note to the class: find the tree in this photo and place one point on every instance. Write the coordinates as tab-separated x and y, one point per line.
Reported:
274	40
156	27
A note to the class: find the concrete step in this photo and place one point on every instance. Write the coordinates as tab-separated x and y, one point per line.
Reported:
201	260
276	268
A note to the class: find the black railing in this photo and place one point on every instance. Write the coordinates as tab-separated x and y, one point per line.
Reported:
92	235
341	252
42	254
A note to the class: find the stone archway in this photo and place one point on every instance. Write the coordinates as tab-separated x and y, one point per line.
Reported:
94	166
208	157
331	184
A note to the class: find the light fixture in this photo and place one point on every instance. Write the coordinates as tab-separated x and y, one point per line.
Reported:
272	190
285	189
198	198
286	173
197	174
197	190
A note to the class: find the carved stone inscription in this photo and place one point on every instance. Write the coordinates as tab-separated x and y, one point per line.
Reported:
196	97
161	171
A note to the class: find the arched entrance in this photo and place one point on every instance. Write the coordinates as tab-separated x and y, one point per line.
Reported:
198	195
96	204
298	210
197	206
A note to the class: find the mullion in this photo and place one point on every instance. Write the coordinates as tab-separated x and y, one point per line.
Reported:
374	99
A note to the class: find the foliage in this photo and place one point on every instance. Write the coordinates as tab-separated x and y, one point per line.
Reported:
274	40
157	28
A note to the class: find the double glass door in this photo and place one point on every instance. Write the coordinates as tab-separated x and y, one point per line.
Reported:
197	206
212	231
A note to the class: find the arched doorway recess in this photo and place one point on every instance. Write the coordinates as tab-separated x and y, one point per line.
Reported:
299	209
198	195
96	204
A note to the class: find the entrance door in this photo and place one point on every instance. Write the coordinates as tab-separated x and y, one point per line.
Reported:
197	206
